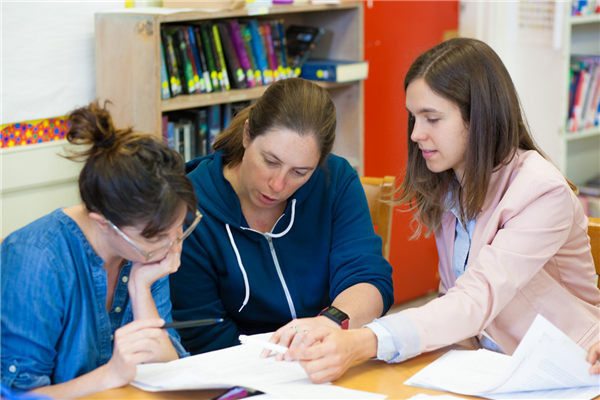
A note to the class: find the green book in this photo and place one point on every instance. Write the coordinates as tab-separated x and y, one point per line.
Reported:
210	57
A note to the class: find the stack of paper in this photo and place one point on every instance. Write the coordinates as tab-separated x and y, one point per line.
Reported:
547	364
240	366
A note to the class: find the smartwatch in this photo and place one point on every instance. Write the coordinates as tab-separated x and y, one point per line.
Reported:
336	315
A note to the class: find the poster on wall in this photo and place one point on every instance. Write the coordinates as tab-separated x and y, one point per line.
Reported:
48	65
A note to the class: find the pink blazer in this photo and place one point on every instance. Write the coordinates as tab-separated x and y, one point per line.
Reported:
530	254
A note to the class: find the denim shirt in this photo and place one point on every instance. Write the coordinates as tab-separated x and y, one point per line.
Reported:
55	326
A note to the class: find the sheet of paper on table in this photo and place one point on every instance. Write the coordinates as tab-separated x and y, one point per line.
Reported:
547	364
240	366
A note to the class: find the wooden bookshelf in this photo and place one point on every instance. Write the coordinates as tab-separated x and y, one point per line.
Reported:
128	65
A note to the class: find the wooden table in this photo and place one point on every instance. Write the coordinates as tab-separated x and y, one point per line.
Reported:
370	376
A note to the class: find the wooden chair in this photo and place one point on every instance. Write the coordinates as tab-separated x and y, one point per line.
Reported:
594	234
379	192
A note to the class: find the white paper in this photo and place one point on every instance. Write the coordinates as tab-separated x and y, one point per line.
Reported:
240	366
546	364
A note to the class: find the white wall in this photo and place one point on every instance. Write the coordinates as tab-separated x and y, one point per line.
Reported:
47	71
533	57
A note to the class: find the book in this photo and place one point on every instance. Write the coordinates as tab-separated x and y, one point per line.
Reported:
210	56
214	125
237	76
334	70
260	54
251	57
165	90
220	56
181	52
194	59
278	45
172	64
202	56
242	53
270	48
301	41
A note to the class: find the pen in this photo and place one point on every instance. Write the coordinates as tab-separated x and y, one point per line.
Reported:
267	345
192	323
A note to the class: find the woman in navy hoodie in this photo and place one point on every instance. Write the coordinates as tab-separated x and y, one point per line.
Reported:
286	232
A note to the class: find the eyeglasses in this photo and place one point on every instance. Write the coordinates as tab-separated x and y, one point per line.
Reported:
148	255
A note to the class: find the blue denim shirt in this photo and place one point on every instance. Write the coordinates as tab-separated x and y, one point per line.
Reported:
55	326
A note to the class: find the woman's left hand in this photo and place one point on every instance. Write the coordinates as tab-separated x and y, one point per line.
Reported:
144	275
294	333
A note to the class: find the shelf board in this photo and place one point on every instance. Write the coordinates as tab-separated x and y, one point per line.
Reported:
586	133
186	14
229	96
585	19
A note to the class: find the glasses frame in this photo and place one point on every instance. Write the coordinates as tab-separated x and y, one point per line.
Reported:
149	254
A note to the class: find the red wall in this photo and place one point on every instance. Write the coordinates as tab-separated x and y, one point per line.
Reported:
396	32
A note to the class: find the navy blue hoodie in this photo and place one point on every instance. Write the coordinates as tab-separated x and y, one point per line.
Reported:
322	244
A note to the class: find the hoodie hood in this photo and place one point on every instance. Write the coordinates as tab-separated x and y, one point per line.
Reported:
219	198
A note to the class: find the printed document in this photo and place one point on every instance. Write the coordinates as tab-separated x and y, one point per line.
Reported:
546	364
240	366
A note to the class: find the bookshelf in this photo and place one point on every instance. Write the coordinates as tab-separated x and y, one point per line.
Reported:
580	151
128	65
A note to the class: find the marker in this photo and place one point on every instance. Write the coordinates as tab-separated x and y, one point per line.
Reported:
267	345
192	323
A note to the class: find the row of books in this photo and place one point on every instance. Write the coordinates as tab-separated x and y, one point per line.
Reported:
192	132
217	56
584	93
585	7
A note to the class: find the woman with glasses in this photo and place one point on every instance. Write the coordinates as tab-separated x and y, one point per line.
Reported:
85	289
287	242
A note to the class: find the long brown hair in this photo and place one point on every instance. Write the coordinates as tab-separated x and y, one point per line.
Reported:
471	75
130	178
295	104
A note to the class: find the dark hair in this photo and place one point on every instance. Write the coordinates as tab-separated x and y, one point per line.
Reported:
295	104
470	74
130	178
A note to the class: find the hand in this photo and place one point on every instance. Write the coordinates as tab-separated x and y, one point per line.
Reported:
144	275
326	353
593	358
294	333
134	343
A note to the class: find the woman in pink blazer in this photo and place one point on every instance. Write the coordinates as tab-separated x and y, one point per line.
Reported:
510	232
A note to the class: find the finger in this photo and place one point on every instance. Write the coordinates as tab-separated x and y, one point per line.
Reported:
593	354
128	340
133	350
273	339
139	324
313	352
595	369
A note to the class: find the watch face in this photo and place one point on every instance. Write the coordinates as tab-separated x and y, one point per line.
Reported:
337	314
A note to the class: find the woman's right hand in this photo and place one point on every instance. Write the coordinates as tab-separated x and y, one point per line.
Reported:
593	358
134	343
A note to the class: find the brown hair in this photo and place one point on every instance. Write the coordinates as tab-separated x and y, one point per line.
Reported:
471	75
295	104
130	178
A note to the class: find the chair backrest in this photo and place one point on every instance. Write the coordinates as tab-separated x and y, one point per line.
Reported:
379	192
594	234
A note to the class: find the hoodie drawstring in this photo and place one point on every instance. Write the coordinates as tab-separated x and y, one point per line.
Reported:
241	265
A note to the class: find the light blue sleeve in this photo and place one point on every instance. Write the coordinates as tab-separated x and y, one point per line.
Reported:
398	342
162	298
30	311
